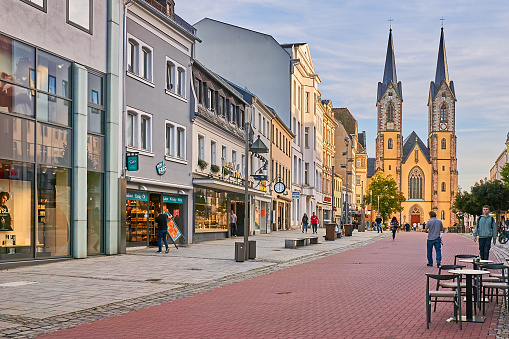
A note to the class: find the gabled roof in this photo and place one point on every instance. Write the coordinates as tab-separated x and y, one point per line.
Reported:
409	145
346	118
371	167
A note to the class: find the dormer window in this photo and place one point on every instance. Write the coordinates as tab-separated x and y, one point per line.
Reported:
444	95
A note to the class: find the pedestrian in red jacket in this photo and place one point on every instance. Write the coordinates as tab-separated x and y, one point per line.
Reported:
314	223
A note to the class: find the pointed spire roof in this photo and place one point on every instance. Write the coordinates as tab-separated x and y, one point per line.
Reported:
390	63
442	72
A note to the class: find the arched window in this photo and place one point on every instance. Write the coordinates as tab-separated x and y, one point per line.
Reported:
442	215
443	187
416	183
390	113
444	143
443	114
389	144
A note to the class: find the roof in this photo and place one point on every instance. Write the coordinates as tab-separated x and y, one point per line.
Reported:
346	118
281	121
389	71
293	44
248	96
409	145
362	139
442	72
371	167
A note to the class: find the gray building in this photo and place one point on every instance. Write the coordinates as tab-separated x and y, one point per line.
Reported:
157	119
59	125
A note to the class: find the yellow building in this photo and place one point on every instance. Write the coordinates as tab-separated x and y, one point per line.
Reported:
426	174
329	127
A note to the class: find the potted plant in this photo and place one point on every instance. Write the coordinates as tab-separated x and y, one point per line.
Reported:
226	171
214	168
202	163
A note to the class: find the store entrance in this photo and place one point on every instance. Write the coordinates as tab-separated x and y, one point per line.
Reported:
154	205
238	208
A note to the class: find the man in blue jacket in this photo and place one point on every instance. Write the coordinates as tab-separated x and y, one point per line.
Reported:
485	229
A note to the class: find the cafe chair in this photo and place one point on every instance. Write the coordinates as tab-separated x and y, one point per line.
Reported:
453	296
448	284
464	256
495	287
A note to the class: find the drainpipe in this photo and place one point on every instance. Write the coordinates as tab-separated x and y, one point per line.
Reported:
124	57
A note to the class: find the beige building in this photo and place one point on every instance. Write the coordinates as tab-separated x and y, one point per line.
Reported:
329	150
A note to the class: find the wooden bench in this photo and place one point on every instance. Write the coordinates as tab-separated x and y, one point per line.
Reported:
312	240
293	243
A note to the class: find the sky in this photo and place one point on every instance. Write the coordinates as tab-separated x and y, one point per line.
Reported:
348	43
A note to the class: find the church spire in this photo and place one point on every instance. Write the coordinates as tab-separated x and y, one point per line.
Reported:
442	72
390	63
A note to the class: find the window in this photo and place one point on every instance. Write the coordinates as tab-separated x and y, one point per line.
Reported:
306	137
180	81
132	63
444	143
442	215
222	106
170	139
263	126
39	4
181	143
358	165
210	99
314	138
297	133
306	173
139	59
213	151
294	92
306	104
79	14
358	198
390	167
232	113
145	133
147	64
130	129
443	187
416	181
234	158
357	179
259	122
390	113
170	77
389	144
416	155
443	168
223	155
243	163
201	147
298	97
443	113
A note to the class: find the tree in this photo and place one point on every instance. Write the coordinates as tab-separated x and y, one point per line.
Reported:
505	174
464	202
391	197
493	194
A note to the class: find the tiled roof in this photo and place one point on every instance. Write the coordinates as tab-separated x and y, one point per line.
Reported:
409	146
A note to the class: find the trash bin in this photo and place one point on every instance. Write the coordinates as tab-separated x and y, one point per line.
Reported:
348	230
240	252
251	253
330	231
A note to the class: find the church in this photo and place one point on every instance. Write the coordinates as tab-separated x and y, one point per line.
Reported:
426	173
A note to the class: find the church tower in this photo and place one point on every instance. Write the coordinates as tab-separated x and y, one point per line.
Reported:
389	119
442	139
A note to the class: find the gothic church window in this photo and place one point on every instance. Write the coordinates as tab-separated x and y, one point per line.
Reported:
442	215
389	144
443	114
390	113
416	181
444	144
443	187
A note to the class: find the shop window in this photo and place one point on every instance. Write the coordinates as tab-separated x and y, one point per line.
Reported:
137	218
16	210
211	210
17	137
79	14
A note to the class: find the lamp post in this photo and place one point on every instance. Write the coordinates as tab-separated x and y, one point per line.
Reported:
345	166
363	211
371	206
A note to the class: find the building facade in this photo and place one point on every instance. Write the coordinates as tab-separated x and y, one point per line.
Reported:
58	84
329	151
426	174
159	47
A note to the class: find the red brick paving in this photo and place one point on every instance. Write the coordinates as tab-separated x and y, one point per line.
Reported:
377	291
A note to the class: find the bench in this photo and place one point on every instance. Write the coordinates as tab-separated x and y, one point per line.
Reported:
293	243
312	240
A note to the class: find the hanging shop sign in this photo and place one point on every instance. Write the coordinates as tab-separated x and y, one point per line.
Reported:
161	168
295	194
136	196
132	161
173	199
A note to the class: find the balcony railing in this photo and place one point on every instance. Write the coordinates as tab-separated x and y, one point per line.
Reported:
172	16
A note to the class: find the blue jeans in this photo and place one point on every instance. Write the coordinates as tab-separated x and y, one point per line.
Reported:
314	227
379	227
438	248
484	248
161	235
304	227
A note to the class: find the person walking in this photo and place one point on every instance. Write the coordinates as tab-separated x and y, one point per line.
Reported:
305	223
434	227
394	227
379	224
233	224
485	229
162	231
314	223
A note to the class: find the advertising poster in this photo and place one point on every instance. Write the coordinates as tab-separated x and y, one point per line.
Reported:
173	228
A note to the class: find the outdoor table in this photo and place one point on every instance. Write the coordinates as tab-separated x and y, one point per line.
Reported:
476	262
469	274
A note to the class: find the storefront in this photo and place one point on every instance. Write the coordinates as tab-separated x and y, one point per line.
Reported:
261	220
281	213
141	210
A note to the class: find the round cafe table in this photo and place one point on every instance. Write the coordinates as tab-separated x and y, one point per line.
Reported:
469	274
475	262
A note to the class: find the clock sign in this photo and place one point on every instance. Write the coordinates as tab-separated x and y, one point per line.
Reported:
443	126
279	187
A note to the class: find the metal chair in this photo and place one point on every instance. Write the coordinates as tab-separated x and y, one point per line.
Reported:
453	296
448	284
464	256
503	284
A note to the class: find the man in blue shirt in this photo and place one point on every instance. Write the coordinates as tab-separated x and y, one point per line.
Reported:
485	229
434	227
379	224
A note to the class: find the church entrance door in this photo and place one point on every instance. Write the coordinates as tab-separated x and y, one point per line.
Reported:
416	218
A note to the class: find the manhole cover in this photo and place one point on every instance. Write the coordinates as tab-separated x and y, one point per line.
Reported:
153	280
283	292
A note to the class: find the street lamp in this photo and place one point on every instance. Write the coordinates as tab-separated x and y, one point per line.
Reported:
345	166
371	206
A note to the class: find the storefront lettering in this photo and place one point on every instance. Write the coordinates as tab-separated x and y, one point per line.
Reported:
136	196
172	199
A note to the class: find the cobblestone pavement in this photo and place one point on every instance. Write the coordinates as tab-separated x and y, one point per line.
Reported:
373	291
42	299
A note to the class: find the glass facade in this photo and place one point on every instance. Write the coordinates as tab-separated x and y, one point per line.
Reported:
36	152
211	210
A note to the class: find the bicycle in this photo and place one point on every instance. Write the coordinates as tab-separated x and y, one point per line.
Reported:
503	235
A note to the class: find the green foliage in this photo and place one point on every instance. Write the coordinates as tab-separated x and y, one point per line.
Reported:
202	163
505	174
391	197
464	202
214	168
